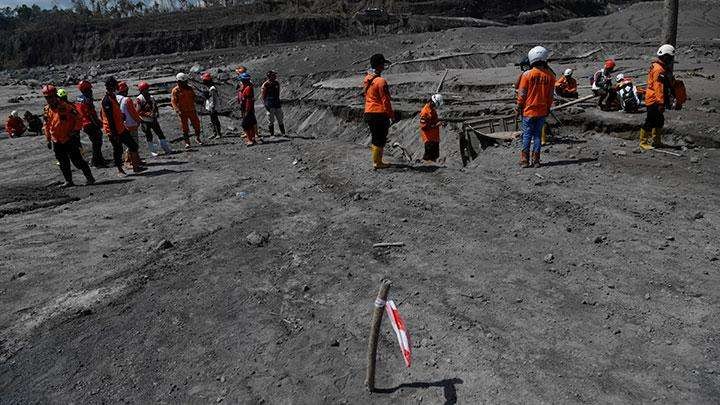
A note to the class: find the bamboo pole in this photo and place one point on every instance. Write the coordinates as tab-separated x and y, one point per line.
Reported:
378	312
670	22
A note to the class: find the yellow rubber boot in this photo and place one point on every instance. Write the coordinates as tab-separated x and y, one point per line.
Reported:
543	136
644	145
377	158
656	137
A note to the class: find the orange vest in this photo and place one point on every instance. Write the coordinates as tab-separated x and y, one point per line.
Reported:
566	85
657	78
117	116
428	121
377	95
183	99
61	122
535	93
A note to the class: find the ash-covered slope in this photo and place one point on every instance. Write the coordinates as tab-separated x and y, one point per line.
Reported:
68	38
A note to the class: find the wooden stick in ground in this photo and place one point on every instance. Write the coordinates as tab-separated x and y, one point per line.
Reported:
439	87
378	312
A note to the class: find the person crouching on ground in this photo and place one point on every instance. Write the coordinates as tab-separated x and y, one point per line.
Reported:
270	94
535	98
379	113
430	128
247	110
182	99
34	123
212	101
566	86
114	127
62	122
148	111
14	125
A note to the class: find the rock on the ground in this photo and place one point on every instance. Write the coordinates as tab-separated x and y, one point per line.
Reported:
256	239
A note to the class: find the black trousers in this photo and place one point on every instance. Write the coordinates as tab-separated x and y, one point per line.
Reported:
70	152
379	125
432	151
95	136
149	127
117	144
215	121
654	118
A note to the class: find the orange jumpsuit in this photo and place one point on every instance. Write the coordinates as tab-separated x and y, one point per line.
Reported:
566	87
14	126
429	131
183	102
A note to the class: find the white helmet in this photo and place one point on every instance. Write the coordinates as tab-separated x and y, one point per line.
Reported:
437	99
181	77
620	77
666	50
14	114
538	54
568	72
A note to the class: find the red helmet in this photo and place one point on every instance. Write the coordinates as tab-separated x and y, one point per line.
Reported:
122	87
142	86
609	64
206	77
49	90
84	86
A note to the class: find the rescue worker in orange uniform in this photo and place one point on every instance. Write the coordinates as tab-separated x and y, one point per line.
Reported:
14	125
658	96
114	126
91	123
535	98
379	113
62	123
430	125
247	109
182	99
566	86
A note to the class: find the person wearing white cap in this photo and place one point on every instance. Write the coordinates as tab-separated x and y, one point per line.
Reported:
14	125
566	86
659	95
534	100
430	128
182	99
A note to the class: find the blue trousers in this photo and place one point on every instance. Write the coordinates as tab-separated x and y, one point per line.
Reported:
531	130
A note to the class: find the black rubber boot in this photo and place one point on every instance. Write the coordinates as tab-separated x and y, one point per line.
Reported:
271	129
282	129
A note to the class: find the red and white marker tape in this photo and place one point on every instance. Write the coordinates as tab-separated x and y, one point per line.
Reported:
398	323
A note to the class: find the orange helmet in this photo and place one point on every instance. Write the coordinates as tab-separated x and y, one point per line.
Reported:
206	77
610	64
142	86
122	87
84	86
49	90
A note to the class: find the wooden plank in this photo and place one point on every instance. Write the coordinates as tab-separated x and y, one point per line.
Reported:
568	104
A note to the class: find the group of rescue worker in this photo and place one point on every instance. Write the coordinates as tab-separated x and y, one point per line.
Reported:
537	89
121	117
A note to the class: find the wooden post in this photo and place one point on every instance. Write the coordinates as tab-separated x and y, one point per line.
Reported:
442	80
378	312
670	22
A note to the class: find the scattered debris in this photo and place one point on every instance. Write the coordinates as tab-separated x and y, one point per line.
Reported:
164	245
388	244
